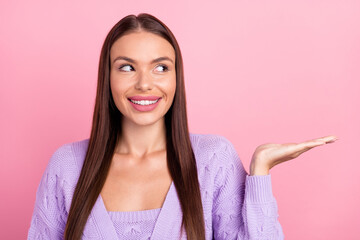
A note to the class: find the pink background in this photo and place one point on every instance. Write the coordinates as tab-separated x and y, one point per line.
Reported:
255	71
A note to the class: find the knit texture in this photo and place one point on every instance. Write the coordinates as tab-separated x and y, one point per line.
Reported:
235	205
134	225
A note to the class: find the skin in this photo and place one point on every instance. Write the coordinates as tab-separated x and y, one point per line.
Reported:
139	169
266	156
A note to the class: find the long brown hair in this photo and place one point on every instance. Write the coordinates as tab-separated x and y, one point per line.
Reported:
106	130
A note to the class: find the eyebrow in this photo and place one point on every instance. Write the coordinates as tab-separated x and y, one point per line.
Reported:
153	61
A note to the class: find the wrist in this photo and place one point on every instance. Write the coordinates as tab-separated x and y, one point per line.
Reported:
256	169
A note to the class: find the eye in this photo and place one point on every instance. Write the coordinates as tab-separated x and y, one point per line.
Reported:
126	67
164	67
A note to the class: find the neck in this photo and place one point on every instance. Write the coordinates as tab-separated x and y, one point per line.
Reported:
140	140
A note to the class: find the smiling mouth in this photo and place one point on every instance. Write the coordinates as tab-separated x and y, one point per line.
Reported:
144	102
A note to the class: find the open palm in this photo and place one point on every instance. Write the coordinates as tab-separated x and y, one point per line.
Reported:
268	155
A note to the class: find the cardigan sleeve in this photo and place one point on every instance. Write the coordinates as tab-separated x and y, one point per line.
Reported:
244	207
49	215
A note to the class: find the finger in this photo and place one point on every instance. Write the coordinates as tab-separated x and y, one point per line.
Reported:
335	138
307	145
327	139
319	141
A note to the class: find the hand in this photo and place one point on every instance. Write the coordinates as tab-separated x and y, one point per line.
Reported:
267	156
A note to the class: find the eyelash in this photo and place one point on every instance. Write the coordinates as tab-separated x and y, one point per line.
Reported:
162	65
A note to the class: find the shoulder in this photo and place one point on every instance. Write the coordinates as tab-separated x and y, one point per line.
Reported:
219	166
210	143
67	159
60	176
213	151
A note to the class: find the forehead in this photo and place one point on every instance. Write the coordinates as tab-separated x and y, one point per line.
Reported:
142	46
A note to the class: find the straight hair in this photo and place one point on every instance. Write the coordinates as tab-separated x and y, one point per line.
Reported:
106	131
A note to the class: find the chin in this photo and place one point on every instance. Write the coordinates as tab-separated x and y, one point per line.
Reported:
146	121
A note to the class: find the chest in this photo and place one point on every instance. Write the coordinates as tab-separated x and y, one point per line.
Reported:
136	186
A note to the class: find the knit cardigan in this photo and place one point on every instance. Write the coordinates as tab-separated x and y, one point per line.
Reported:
235	205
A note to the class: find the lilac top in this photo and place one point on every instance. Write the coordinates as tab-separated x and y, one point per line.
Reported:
235	205
134	225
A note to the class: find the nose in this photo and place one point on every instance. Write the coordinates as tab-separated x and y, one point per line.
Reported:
144	82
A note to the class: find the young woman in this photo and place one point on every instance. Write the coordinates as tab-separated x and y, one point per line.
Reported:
141	174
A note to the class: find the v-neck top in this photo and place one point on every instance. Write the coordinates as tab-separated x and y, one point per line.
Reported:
235	204
134	225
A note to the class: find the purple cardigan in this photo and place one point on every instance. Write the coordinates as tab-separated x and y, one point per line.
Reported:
236	205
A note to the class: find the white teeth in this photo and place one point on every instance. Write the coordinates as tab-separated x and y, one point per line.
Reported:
144	102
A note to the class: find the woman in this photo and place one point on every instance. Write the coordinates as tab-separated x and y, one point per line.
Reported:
141	174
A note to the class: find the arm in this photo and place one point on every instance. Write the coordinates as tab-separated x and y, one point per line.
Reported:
244	206
49	215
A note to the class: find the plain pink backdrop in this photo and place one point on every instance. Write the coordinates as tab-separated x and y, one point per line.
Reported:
255	72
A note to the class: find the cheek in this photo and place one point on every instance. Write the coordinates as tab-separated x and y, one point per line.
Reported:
118	84
171	87
117	91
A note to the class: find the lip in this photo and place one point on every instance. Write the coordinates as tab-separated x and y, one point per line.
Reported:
144	108
139	98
